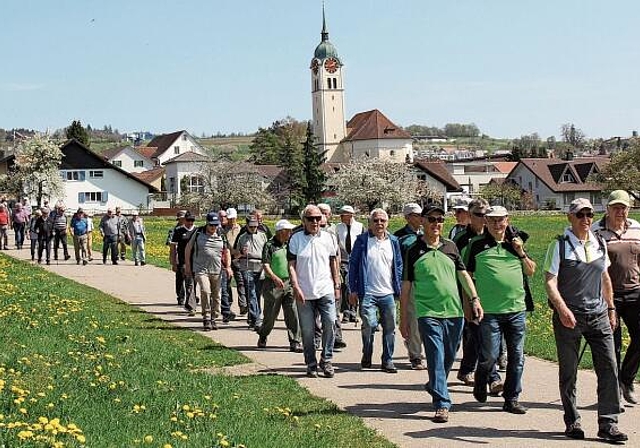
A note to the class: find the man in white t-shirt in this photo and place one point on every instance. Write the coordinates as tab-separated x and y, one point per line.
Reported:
315	279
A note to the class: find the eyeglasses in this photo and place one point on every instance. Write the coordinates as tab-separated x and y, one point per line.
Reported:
438	219
379	220
313	218
479	214
581	215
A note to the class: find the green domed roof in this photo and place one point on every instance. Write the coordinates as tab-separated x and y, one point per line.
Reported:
326	50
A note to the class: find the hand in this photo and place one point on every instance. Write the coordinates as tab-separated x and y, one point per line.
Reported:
566	317
518	246
613	319
477	312
297	294
278	282
229	272
353	298
404	328
337	293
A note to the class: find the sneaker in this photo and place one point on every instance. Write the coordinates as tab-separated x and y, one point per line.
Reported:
496	388
312	372
192	313
480	392
417	364
67	257
77	261
122	257
115	262
327	369
207	325
136	263
365	363
502	361
296	348
574	431
628	393
467	379
338	345
229	317
514	407
345	319
244	310
214	326
84	262
389	368
143	263
442	416
262	342
612	434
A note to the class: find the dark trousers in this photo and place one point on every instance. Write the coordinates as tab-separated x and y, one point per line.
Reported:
596	330
242	294
44	245
629	312
471	353
110	243
274	299
60	237
19	229
185	289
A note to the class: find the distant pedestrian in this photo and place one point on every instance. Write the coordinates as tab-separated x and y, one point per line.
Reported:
461	213
44	229
79	231
138	237
90	228
60	229
109	230
347	230
580	291
123	235
20	220
251	244
5	222
33	233
184	284
231	231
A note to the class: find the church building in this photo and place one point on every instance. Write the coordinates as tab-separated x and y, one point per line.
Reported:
367	134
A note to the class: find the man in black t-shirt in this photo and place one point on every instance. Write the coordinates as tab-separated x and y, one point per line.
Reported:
184	284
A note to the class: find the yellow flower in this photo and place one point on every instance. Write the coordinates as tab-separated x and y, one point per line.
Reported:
148	439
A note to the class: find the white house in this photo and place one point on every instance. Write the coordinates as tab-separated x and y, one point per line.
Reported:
130	159
188	166
94	184
437	177
472	176
168	146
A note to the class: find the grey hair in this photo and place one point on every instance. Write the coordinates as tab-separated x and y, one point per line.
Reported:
478	203
307	207
378	211
324	207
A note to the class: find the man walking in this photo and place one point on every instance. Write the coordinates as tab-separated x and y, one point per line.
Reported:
231	230
137	236
376	272
60	229
109	231
316	283
497	264
20	220
347	231
277	289
79	232
184	284
251	245
580	291
123	235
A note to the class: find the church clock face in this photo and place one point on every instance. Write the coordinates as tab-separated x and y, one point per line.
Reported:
331	65
315	64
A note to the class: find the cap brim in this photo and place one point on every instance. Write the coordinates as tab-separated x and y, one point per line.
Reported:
618	201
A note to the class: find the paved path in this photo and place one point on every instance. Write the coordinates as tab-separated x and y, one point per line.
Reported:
395	405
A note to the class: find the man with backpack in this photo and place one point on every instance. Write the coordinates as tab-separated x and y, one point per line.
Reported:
185	286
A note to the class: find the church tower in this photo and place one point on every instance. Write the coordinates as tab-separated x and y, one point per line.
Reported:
327	90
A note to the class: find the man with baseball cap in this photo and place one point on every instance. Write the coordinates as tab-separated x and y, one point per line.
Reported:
580	292
622	236
277	289
498	264
461	213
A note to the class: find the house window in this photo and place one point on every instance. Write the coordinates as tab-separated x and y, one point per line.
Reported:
96	174
138	163
92	197
117	163
176	150
567	177
328	83
335	83
71	176
184	137
195	184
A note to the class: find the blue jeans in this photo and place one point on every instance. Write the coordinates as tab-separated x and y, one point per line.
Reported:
225	294
253	288
441	338
326	306
369	307
492	327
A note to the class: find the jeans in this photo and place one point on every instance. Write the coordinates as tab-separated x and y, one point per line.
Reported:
242	294
253	288
369	308
210	295
137	247
326	305
596	330
19	230
629	312
274	299
349	311
492	328
471	353
441	338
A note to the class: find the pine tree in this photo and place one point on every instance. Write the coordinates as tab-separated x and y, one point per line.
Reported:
76	131
315	176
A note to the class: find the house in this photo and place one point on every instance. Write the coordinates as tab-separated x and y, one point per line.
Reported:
154	177
130	159
472	176
168	146
554	183
182	174
372	134
437	177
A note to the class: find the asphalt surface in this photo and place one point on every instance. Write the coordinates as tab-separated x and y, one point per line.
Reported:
395	405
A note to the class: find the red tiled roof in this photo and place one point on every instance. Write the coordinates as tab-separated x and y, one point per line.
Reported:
552	171
373	125
164	142
150	175
439	171
505	167
146	151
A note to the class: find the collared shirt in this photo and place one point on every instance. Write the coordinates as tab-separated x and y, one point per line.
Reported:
313	255
624	253
379	266
585	251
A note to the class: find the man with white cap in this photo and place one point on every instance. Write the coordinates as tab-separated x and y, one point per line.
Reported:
277	291
461	213
498	263
622	236
347	230
407	236
580	292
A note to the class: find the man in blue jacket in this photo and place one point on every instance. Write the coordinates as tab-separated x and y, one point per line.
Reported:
375	275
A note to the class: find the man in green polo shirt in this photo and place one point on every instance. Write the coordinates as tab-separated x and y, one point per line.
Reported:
277	291
431	267
497	264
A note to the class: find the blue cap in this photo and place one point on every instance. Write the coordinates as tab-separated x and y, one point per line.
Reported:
212	219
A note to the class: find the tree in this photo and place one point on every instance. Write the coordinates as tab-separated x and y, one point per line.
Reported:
37	170
79	133
461	130
368	183
526	146
573	136
505	194
315	176
272	146
623	172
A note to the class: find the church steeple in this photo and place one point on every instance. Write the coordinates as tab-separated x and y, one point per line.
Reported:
324	33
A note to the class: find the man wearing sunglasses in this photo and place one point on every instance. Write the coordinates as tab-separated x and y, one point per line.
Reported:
497	265
432	268
315	278
580	291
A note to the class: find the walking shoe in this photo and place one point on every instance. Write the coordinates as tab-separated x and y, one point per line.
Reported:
229	317
502	361
191	313
338	345
612	434
262	342
312	372
142	263
84	262
365	363
345	319
244	310
389	368
66	257
135	263
207	325
122	257
417	364
514	407
628	393
115	262
467	379
327	369
77	261
496	387
214	326
480	392
574	431
442	416
296	348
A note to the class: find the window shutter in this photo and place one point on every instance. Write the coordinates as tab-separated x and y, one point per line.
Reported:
80	198
105	196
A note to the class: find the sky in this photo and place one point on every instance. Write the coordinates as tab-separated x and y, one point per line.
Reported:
208	66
